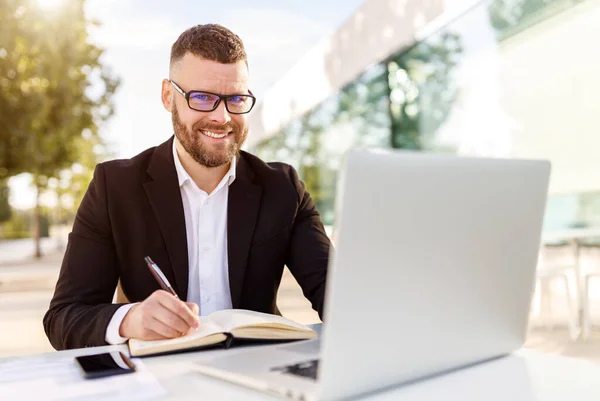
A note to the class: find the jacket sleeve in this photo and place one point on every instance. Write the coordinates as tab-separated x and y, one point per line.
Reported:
308	251
81	308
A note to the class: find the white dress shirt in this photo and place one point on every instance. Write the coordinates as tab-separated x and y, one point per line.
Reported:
206	232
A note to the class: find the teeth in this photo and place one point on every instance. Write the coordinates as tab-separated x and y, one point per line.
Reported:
214	135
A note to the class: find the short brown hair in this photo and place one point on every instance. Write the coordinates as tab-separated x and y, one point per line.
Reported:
210	41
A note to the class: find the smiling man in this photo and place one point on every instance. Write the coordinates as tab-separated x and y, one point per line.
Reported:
219	222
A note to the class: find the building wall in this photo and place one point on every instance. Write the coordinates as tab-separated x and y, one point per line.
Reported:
377	29
554	95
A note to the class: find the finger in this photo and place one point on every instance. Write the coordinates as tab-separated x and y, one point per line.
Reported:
164	330
179	308
150	335
193	307
170	319
196	311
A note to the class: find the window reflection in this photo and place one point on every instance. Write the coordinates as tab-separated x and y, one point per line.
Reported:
356	117
509	78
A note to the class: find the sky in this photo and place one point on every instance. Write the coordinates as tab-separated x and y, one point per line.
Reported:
137	36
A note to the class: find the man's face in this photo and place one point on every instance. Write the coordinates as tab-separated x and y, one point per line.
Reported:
201	133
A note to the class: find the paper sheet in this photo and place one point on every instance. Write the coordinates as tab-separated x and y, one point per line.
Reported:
50	378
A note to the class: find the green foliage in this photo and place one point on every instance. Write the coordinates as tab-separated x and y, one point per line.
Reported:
422	89
54	94
354	117
21	223
54	91
509	17
5	211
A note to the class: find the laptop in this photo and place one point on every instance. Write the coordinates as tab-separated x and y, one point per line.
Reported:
433	270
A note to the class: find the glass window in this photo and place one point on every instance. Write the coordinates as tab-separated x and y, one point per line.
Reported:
510	78
356	117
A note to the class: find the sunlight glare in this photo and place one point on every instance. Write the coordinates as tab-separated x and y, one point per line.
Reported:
49	4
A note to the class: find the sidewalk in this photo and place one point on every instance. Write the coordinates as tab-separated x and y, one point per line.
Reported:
16	251
557	342
26	287
27	274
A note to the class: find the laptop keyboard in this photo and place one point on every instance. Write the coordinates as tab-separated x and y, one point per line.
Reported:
306	369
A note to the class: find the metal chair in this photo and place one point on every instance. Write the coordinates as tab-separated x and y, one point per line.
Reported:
548	271
587	318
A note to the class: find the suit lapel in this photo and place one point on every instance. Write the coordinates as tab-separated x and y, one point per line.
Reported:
242	211
165	198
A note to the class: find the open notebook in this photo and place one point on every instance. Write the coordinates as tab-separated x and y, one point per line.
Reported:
223	327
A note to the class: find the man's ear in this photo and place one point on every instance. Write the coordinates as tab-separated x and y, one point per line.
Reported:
167	94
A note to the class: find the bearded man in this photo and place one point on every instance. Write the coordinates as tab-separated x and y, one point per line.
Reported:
219	222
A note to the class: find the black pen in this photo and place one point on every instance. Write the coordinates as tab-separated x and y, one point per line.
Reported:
159	276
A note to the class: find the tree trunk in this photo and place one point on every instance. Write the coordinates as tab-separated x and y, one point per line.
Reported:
37	221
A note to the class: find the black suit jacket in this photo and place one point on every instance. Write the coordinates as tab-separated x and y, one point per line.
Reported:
133	208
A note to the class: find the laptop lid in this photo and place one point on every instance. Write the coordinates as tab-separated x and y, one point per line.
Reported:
433	268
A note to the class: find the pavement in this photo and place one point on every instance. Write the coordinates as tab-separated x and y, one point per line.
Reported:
27	285
16	251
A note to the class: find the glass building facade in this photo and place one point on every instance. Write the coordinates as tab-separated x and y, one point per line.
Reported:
506	78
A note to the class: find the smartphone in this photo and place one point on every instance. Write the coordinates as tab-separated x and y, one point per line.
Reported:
103	365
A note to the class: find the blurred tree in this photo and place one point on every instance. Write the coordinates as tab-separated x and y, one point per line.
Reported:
315	142
422	89
5	211
55	92
18	226
508	17
364	103
71	190
309	153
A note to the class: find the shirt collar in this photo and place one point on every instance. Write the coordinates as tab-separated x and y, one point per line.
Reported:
183	176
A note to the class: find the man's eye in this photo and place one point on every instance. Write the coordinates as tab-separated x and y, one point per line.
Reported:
237	99
201	97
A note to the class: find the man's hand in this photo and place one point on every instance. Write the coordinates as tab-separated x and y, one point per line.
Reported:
159	317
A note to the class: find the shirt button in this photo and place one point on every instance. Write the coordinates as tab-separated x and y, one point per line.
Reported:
206	249
205	298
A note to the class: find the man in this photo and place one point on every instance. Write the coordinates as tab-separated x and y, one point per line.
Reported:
219	222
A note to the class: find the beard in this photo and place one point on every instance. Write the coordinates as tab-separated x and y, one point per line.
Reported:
221	153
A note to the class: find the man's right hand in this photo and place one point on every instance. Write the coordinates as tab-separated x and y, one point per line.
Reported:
158	317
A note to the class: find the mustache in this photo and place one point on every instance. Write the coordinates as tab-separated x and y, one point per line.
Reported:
208	127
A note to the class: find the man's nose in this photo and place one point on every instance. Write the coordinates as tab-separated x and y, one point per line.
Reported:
220	115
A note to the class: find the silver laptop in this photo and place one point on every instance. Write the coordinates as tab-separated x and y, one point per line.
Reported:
433	271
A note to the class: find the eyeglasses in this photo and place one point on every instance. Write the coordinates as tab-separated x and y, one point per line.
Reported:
208	101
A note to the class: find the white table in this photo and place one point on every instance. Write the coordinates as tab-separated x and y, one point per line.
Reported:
524	376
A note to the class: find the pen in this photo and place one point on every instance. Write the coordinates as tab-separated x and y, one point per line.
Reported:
159	276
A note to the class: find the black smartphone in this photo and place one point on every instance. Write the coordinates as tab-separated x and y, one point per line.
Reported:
103	365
